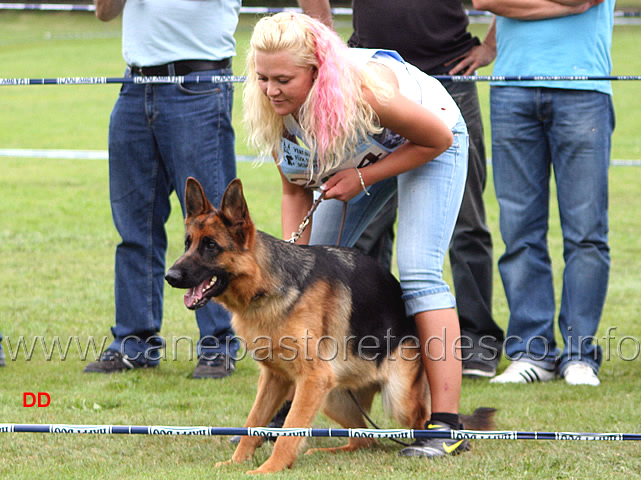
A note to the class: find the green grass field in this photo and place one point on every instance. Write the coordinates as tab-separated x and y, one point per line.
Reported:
56	255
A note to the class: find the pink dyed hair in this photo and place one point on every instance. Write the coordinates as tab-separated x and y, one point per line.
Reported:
329	105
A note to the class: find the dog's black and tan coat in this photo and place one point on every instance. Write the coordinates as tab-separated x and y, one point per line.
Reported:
324	320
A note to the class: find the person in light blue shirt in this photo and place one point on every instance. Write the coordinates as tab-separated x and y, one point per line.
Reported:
159	135
541	126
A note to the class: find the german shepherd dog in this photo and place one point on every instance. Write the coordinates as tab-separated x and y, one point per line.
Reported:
325	320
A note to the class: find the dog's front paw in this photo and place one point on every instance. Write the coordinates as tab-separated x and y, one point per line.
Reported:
261	471
220	464
270	466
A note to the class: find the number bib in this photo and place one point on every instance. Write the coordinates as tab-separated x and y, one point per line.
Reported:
295	161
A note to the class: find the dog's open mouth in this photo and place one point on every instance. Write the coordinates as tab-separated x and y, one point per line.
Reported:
198	296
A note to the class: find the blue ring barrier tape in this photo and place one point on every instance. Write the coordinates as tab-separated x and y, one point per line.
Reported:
239	79
315	432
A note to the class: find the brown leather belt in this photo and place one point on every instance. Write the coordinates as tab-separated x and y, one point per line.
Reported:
182	67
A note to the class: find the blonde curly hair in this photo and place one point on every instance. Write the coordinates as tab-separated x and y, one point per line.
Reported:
335	114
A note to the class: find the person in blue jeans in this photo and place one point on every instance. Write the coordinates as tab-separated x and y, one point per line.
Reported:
446	48
159	135
537	127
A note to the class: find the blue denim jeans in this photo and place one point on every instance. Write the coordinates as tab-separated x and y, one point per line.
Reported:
429	198
535	130
158	136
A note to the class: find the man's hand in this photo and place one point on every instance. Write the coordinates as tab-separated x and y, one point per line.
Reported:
577	3
478	56
535	9
472	60
108	9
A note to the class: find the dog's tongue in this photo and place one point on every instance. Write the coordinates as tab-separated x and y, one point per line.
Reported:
195	294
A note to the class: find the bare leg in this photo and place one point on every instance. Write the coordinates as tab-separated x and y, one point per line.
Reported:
440	330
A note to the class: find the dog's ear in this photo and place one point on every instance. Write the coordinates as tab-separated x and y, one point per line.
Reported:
196	202
235	214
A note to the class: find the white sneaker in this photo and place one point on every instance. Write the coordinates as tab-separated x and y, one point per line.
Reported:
580	373
523	372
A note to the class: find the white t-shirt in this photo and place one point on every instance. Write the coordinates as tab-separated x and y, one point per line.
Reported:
155	32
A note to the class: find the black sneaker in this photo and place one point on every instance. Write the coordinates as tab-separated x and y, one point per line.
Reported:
220	366
436	447
114	361
478	369
277	422
2	362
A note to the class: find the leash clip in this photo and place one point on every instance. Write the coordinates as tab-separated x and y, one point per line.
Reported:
303	225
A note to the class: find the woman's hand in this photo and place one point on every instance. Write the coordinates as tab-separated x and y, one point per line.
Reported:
344	185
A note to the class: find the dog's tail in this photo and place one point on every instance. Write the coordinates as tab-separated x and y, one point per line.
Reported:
481	419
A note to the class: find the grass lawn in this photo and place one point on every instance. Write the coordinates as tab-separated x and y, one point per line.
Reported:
56	258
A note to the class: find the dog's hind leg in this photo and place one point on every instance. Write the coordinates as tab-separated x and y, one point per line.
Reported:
405	395
343	409
310	392
271	392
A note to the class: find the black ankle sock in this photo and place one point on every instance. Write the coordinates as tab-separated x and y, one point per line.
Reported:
450	419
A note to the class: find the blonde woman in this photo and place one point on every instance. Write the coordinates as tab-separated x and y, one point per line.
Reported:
363	125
